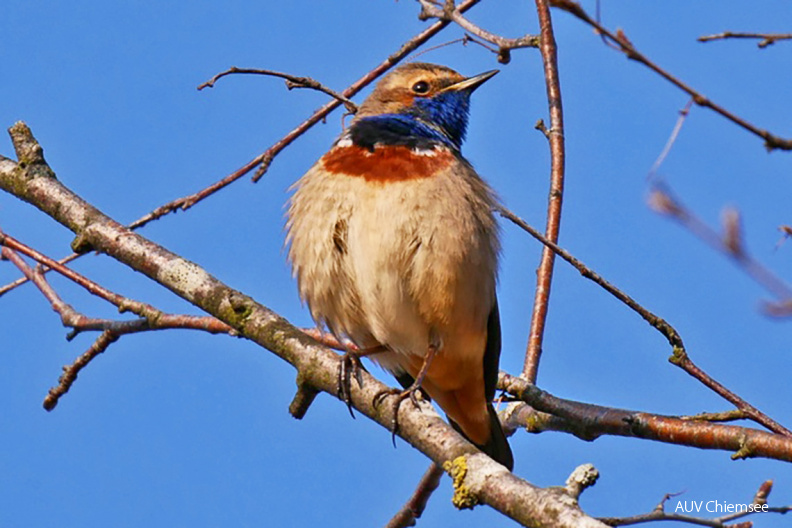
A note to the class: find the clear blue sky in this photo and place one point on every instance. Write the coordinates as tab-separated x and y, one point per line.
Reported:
184	429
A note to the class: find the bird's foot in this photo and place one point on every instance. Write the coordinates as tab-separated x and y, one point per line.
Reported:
413	392
350	367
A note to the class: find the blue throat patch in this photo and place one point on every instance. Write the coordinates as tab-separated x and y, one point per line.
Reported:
447	111
439	120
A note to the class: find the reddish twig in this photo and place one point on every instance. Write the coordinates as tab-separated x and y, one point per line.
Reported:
555	135
416	505
448	11
152	319
464	41
121	302
679	356
70	372
292	81
264	159
328	339
69	316
22	280
767	39
625	46
588	422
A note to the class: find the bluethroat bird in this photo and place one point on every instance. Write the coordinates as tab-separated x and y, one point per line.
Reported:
395	247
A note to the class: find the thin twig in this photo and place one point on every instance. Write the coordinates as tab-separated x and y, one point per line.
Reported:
120	301
292	81
328	339
786	232
22	280
766	38
70	372
671	140
725	416
673	337
625	46
449	11
464	41
69	316
155	319
555	135
264	159
681	359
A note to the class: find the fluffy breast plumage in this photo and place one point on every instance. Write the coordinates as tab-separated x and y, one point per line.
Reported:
390	246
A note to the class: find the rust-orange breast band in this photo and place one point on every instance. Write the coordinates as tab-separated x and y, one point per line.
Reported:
387	163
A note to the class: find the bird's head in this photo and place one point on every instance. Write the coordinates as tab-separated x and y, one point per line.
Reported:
429	94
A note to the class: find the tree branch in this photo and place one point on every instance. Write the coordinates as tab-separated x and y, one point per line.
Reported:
415	506
767	39
292	81
588	422
555	135
450	12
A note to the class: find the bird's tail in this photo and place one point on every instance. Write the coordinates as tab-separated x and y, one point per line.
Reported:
497	447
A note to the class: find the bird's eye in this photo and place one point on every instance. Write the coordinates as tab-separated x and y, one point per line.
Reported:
421	87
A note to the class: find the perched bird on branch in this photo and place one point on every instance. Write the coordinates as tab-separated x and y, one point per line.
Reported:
394	245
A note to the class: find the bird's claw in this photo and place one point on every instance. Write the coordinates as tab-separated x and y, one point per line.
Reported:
350	367
411	392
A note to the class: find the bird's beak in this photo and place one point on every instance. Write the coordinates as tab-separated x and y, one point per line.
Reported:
471	83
